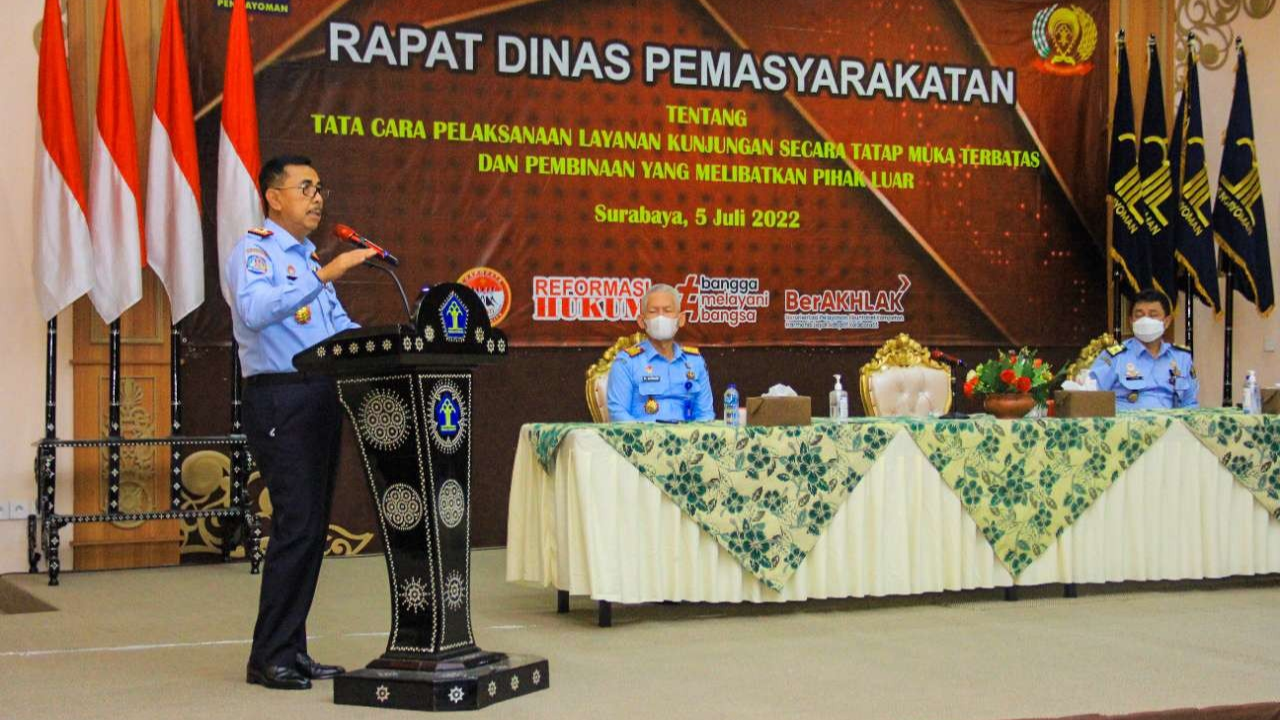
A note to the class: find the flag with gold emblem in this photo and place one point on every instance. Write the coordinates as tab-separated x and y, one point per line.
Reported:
1192	237
1158	203
1239	225
1124	185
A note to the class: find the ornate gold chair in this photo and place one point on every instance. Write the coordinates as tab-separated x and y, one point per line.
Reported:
903	380
598	377
1079	370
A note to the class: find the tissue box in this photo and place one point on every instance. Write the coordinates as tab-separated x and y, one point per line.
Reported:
779	410
1084	403
1271	401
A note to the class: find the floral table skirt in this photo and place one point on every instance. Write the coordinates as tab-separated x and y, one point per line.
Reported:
592	523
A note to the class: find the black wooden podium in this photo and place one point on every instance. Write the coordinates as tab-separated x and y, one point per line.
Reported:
408	393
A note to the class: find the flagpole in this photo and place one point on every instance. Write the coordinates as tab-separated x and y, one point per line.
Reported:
1190	291
113	420
47	458
1228	309
175	414
238	491
1117	278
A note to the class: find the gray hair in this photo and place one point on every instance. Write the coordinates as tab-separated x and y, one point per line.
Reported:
656	288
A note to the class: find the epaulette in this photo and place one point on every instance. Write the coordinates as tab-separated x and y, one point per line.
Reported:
261	232
315	256
1115	350
692	350
634	350
1183	348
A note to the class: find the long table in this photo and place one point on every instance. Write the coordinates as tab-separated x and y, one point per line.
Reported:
584	519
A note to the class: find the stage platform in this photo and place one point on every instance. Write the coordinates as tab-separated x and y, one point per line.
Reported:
173	643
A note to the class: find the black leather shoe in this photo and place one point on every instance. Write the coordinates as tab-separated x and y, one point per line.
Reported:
277	677
309	668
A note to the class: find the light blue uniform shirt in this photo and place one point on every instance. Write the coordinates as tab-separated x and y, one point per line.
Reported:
681	386
1143	382
278	305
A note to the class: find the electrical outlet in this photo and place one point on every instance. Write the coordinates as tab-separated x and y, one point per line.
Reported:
19	509
1269	344
4	510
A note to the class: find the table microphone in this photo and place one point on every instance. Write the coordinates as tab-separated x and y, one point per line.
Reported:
949	359
345	232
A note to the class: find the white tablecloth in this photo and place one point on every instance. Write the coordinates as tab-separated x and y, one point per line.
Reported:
595	527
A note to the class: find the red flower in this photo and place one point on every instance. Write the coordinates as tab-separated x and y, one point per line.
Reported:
969	386
1024	384
1007	376
1038	362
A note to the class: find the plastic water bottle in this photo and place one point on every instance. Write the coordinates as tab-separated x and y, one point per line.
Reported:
838	402
731	405
1252	394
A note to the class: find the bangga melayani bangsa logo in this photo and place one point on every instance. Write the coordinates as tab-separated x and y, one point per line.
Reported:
1065	37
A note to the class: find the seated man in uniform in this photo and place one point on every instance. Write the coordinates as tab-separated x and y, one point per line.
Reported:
660	380
1144	371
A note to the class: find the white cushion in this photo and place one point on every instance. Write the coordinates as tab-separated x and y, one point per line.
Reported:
909	391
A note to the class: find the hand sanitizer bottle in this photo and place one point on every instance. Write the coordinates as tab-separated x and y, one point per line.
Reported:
839	402
1252	395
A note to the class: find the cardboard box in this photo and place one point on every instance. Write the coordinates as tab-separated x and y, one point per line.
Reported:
1084	403
1271	401
771	411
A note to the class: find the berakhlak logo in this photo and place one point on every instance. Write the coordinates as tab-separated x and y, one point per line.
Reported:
493	289
1065	37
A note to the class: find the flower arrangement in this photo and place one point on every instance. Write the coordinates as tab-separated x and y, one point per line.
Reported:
1011	373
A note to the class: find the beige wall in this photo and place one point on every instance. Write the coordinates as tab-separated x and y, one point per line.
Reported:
1253	333
22	331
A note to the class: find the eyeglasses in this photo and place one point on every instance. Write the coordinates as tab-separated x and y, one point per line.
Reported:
309	190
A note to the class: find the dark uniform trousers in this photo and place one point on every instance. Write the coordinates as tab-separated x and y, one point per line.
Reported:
292	423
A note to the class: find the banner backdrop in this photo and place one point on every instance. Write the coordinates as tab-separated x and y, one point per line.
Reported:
813	172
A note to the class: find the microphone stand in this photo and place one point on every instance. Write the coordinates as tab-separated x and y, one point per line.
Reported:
403	298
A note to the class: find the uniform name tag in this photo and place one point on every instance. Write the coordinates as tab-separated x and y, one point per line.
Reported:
650	378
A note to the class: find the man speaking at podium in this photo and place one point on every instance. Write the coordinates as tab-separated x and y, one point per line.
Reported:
282	302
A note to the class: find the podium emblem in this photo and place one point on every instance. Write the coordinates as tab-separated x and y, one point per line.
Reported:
453	319
414	595
402	507
455	591
450	503
448	417
384	420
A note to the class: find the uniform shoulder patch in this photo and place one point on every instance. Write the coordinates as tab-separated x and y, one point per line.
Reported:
260	232
692	350
634	350
1115	350
256	260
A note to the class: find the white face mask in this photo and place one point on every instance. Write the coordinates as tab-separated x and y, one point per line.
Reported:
661	327
1148	329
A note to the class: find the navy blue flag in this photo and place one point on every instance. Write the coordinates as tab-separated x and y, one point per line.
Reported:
1239	225
1124	185
1158	202
1192	235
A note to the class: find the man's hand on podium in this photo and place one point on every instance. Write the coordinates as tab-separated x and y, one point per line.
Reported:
339	266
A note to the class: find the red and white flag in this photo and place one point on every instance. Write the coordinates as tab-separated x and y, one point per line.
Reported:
64	252
239	207
175	245
115	207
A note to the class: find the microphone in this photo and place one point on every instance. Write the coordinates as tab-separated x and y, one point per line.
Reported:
345	232
948	359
